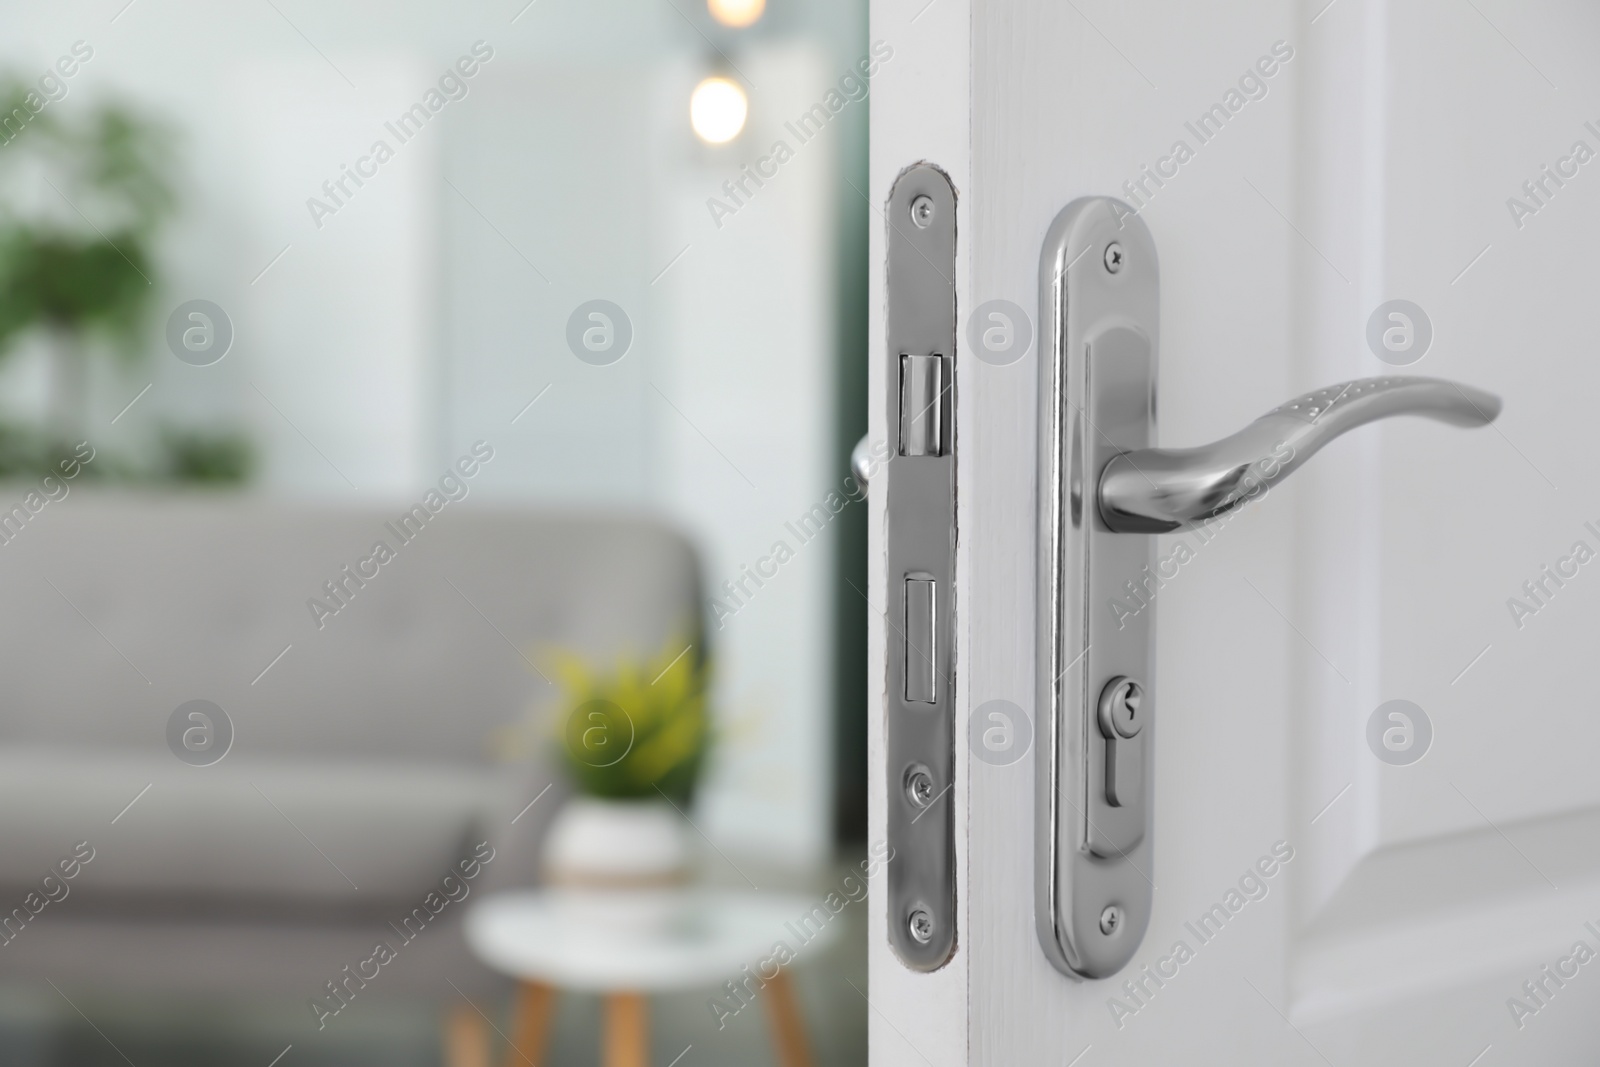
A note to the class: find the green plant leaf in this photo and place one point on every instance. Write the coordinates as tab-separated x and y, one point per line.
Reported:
668	731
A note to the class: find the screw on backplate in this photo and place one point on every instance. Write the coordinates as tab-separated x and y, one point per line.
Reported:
1110	920
922	212
1113	257
919	786
920	925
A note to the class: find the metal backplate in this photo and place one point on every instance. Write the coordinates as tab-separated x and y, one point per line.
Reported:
920	485
1099	307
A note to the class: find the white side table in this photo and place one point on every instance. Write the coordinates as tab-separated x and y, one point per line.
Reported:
627	944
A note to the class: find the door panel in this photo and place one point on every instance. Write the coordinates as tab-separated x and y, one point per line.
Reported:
1375	163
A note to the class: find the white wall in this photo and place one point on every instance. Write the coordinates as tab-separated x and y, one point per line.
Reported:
338	333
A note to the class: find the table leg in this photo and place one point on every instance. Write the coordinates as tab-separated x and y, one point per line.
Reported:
466	1038
535	1003
627	1030
788	1027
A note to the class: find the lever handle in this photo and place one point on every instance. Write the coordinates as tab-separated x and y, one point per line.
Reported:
1095	657
1159	490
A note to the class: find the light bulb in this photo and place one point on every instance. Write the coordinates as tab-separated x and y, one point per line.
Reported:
736	13
717	110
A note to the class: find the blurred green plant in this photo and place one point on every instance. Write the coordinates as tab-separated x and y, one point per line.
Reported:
83	265
79	268
184	455
26	453
654	711
219	457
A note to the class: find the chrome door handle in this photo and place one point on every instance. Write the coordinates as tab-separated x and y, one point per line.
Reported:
1104	492
861	461
1159	490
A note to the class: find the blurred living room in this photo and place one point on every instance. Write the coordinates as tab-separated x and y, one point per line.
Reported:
436	627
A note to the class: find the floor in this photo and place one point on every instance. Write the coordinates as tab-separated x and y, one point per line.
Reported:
40	1028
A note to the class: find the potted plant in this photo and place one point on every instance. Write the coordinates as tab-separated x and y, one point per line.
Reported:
633	739
81	267
78	270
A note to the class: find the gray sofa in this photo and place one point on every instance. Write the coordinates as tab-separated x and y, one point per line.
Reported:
364	762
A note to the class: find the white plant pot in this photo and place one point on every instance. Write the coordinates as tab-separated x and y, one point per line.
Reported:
622	844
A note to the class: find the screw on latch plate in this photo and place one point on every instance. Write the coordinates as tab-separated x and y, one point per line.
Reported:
920	925
1114	258
922	212
919	785
1110	920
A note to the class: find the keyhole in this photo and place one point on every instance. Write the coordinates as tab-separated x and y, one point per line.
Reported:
1119	708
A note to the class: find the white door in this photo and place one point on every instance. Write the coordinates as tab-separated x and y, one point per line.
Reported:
1336	879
